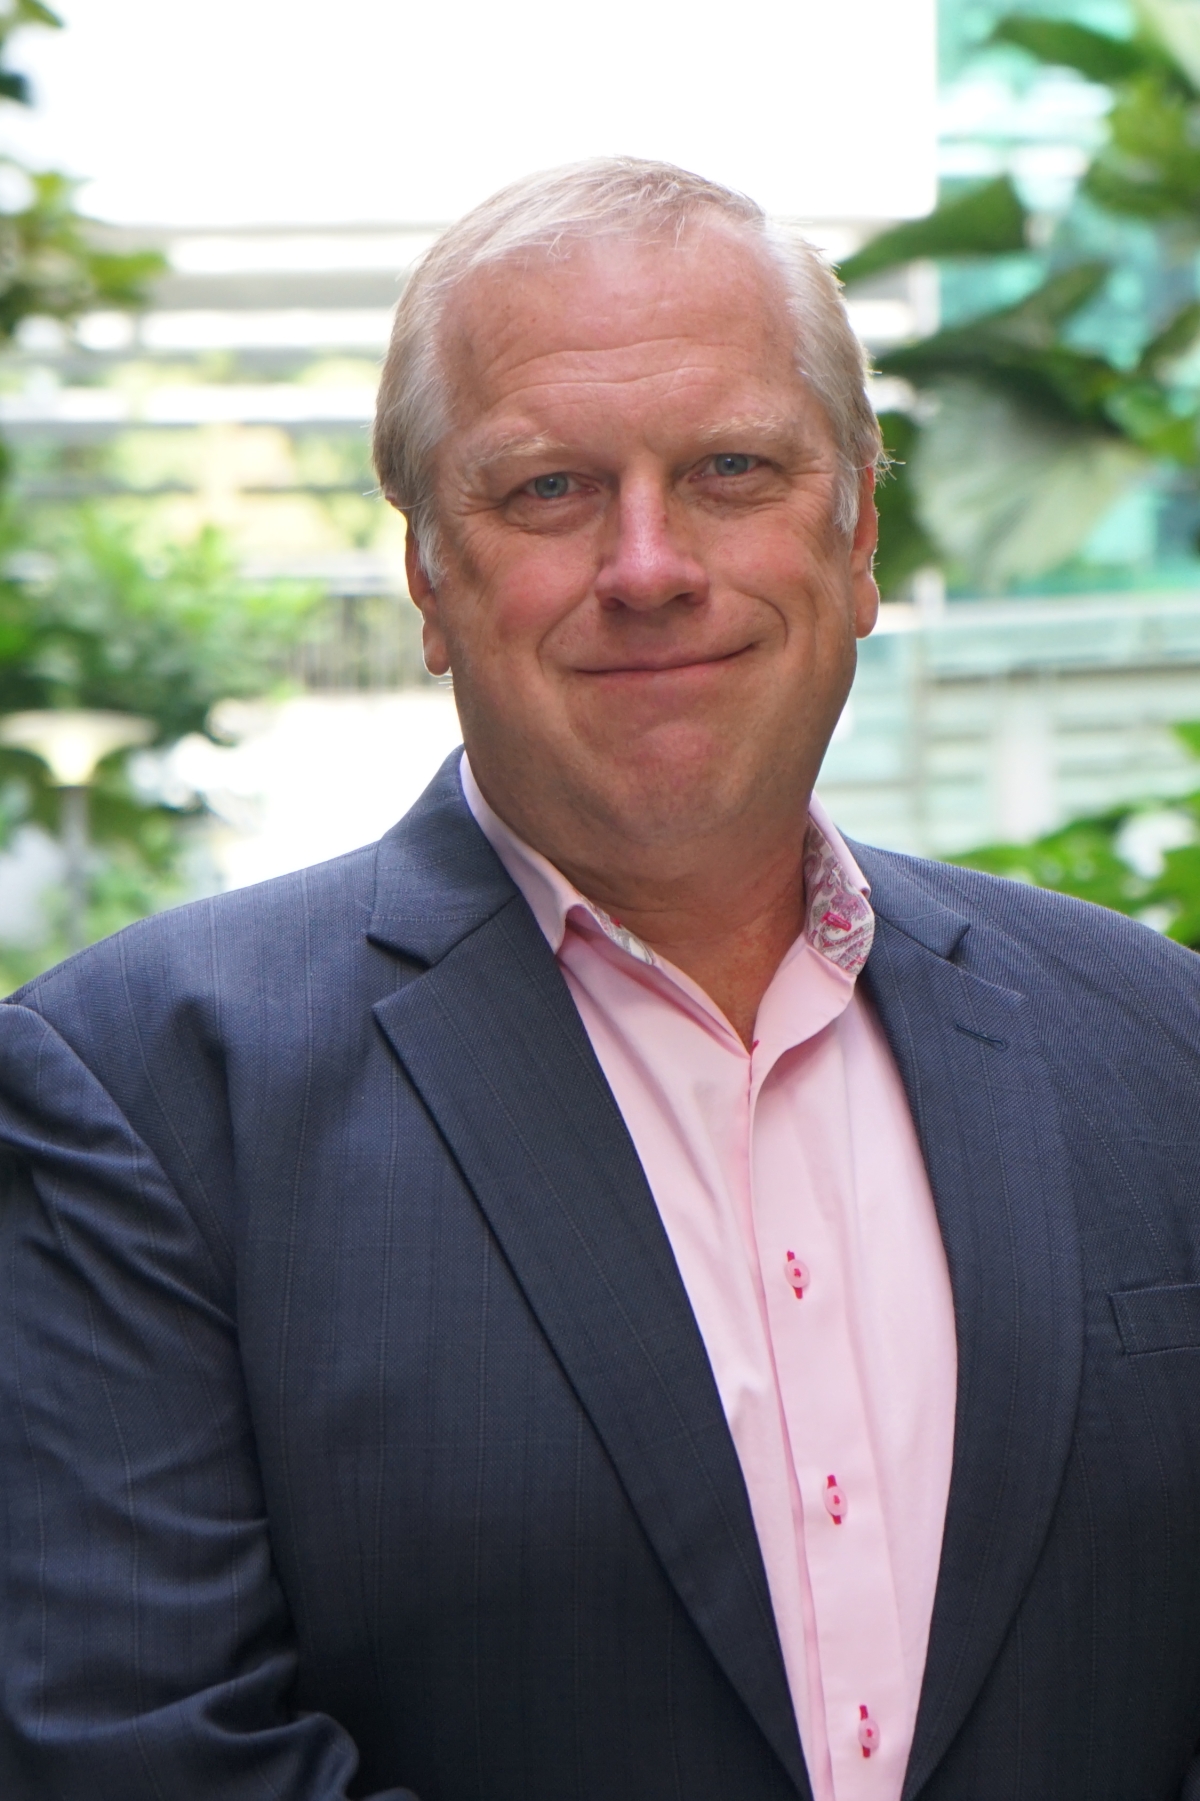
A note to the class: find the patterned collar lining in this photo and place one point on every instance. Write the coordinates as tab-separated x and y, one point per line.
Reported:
839	924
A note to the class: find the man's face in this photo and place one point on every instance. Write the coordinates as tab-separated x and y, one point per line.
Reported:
647	606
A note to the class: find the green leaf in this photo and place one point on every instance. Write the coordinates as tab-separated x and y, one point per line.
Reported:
1037	319
1019	352
1174	341
1178	887
988	221
1144	412
904	544
1175	24
1188	733
52	266
165	637
1008	493
1081	859
32	12
1093	53
1031	325
17	13
123	280
1150	167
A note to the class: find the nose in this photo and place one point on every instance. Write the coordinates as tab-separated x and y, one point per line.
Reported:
647	562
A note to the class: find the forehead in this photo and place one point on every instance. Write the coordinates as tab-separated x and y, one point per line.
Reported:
616	325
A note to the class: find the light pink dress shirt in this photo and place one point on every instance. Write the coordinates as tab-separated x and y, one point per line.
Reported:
792	1189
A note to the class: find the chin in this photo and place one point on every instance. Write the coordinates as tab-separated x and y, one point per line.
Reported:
657	799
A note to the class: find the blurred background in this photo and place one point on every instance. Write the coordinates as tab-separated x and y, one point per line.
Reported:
210	670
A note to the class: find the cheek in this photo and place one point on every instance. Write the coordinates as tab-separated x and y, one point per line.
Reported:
794	560
510	600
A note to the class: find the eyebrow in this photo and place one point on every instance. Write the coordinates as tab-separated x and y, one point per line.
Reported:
517	444
778	427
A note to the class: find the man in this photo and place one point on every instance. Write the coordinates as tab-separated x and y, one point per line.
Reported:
610	1293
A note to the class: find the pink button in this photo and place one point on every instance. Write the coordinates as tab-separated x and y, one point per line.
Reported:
797	1274
868	1732
835	1500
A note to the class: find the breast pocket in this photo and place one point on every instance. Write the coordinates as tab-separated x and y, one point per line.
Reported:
1158	1319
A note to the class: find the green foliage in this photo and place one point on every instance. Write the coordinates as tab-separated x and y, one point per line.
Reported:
130	877
1149	168
1047	401
98	622
1020	350
986	221
1028	440
1081	859
1088	858
1093	54
50	265
88	616
104	624
904	544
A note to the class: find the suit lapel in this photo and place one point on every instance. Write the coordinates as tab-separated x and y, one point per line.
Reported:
492	1042
983	1102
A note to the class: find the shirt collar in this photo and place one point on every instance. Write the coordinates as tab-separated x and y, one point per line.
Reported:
839	922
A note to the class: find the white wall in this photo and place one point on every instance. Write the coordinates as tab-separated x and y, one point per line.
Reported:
313	776
288	110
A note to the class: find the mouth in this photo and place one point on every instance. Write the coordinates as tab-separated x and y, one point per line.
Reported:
650	666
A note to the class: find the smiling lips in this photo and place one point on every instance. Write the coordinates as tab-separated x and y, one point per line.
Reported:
667	668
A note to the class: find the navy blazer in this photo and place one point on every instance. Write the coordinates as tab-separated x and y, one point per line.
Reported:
356	1434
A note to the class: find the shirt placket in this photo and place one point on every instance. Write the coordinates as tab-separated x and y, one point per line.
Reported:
846	1552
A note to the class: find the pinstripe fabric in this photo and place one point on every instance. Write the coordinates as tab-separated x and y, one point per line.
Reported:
1063	1143
356	1438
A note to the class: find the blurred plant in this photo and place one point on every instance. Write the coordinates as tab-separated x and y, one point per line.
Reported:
1151	874
99	622
1020	438
94	620
89	618
139	866
51	265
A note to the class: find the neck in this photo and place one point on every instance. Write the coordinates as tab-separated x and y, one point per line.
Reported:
725	908
728	936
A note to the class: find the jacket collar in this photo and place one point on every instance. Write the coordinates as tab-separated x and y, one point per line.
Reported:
983	1100
983	1103
903	893
493	1044
437	879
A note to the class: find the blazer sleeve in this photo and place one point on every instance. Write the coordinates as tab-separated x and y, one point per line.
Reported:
145	1643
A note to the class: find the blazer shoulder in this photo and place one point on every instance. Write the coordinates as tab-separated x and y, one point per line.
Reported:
1102	987
191	954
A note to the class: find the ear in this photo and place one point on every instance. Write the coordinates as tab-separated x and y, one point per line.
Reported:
424	597
862	557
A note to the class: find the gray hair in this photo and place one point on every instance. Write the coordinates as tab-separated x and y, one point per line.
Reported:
548	213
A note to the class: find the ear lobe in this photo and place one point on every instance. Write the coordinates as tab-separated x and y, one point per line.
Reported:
433	646
424	598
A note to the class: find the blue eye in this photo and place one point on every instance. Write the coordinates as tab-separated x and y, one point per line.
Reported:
550	487
732	463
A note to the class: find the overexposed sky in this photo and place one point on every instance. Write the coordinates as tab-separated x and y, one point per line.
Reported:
293	112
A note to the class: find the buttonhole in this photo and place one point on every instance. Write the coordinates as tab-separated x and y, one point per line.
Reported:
997	1044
